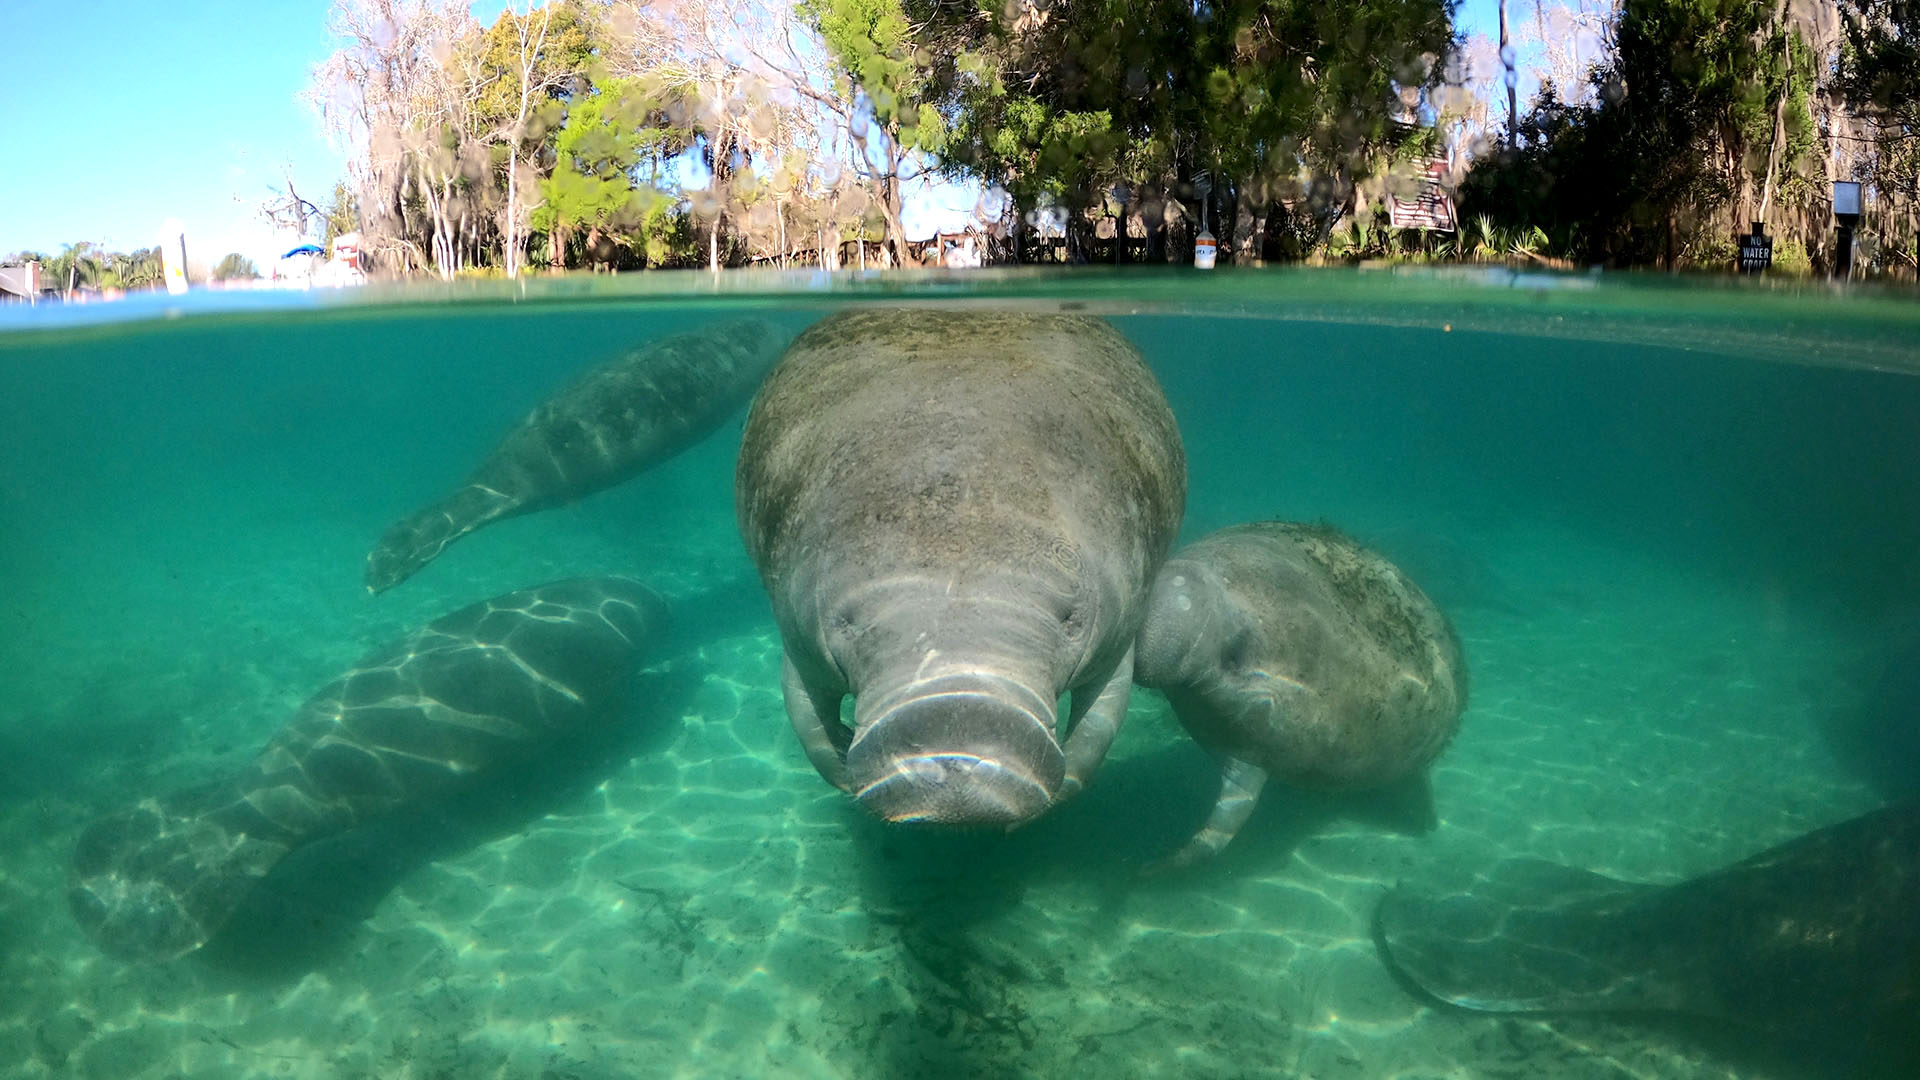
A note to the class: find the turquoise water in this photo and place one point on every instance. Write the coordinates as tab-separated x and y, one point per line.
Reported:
1675	527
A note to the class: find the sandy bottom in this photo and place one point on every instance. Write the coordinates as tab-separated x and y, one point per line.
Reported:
684	897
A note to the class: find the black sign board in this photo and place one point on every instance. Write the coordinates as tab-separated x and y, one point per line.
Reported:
1756	251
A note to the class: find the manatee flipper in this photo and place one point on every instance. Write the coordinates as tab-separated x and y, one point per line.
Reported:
815	715
615	421
420	537
1816	936
1240	786
468	694
1093	721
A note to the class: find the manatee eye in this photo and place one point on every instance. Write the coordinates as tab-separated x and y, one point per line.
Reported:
1071	616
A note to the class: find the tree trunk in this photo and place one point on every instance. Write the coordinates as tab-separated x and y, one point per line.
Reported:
1513	98
1779	134
896	228
513	203
887	189
1016	230
1244	251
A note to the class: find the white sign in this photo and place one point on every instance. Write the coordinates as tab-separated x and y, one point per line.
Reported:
1432	208
1204	250
1846	197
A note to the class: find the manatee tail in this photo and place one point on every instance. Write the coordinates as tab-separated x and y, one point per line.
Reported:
1534	937
1816	939
420	537
157	881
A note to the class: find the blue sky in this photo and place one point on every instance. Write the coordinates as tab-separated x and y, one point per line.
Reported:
123	113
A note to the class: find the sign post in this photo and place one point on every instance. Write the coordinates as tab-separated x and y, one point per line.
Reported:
1846	210
1756	251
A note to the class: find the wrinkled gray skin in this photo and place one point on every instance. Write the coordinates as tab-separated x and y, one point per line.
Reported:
956	516
455	702
1290	651
614	422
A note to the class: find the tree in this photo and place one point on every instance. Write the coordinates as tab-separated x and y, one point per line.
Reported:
749	82
78	266
139	270
1879	75
1182	111
235	266
607	133
90	265
530	65
372	95
881	96
1699	123
288	211
341	214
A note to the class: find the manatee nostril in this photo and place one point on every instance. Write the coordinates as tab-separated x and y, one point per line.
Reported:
959	754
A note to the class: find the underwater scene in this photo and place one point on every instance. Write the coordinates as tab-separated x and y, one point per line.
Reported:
1315	674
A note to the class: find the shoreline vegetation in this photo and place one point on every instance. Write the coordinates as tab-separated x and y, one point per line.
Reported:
615	135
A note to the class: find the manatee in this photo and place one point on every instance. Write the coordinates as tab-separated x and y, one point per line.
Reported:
1289	650
1817	940
482	688
611	424
956	515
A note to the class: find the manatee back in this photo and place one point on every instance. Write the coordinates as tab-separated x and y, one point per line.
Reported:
904	441
463	696
628	413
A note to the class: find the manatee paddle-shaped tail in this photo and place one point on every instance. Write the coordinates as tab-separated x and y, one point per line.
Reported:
611	424
1819	937
471	692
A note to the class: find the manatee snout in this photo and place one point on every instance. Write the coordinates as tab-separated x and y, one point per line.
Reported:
975	751
1189	627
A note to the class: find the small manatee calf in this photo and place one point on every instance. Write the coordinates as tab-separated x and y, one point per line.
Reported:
482	688
611	424
1290	651
956	515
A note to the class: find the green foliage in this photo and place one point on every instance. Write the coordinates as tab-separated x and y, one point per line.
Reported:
561	66
341	214
142	269
872	44
78	266
666	234
1684	125
89	265
607	134
1065	101
235	266
1790	257
1879	75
